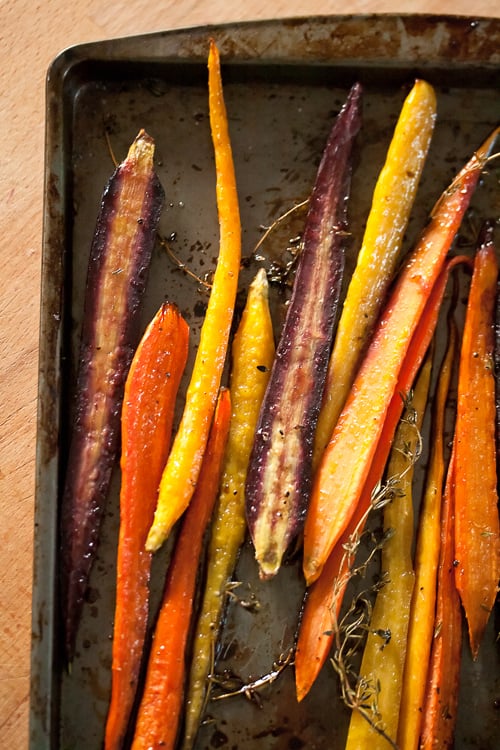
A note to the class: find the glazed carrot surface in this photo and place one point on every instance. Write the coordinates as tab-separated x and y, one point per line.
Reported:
379	253
147	417
181	472
160	708
476	498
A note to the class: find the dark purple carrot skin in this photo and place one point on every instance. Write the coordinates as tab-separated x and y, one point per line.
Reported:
279	475
116	280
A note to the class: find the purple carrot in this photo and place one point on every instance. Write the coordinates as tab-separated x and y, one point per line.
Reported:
117	272
279	475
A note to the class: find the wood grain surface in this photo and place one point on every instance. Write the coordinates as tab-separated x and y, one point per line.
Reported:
32	33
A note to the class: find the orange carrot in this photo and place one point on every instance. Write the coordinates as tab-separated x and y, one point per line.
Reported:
476	498
440	708
324	598
341	474
181	472
161	703
147	415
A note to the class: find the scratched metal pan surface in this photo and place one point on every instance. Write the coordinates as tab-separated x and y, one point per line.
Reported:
284	82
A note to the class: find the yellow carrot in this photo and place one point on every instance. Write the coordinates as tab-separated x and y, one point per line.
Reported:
383	659
183	466
392	201
252	353
420	631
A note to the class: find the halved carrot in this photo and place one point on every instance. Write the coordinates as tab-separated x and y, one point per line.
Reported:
476	498
147	416
346	461
324	598
421	623
161	703
277	488
383	659
441	700
181	472
379	253
117	272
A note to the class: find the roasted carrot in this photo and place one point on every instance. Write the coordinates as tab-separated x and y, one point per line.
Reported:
324	598
384	657
476	498
161	703
421	624
393	199
118	266
252	358
346	461
147	416
441	699
277	488
181	472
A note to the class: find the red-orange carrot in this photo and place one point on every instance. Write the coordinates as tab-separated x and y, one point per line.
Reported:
441	700
161	703
346	461
324	598
147	415
476	497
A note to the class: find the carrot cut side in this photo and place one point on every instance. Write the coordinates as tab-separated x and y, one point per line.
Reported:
181	472
383	660
324	598
147	417
160	708
341	474
476	498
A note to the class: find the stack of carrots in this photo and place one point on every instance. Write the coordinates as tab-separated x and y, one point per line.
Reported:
381	351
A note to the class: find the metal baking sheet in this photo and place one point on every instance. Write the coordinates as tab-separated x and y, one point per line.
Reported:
284	81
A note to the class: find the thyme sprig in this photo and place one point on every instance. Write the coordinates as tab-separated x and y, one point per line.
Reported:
233	685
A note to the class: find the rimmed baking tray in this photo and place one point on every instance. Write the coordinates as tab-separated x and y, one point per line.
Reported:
284	81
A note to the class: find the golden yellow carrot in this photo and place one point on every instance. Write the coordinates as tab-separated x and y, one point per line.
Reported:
183	466
252	356
385	649
420	631
393	198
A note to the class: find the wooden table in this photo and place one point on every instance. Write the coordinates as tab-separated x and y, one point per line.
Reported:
33	33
